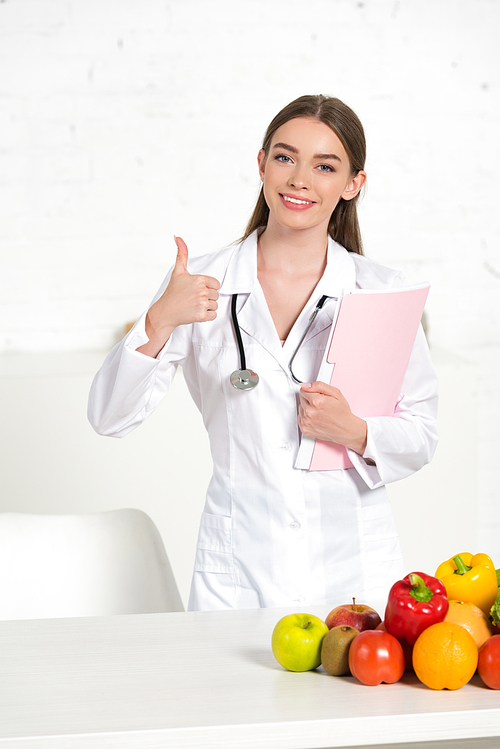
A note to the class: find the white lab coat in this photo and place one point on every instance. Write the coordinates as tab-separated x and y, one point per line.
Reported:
270	534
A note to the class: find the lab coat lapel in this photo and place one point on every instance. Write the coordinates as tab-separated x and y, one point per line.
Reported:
253	313
340	274
255	319
252	310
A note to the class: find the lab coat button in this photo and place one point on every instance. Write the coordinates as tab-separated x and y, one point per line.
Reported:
286	446
295	525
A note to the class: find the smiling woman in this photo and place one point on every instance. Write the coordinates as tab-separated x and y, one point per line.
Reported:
306	171
344	124
272	534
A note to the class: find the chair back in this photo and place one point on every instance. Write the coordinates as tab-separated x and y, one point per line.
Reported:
98	564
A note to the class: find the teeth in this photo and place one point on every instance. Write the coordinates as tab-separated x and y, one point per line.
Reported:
298	202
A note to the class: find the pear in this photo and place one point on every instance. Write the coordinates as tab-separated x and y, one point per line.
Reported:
335	649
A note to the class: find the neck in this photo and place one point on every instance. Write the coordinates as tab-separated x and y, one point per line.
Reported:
299	251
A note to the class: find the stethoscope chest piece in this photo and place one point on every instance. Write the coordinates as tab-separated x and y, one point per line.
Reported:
244	379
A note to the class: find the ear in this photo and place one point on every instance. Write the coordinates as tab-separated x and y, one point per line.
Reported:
261	158
354	186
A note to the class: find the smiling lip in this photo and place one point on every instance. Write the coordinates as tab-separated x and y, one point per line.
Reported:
298	204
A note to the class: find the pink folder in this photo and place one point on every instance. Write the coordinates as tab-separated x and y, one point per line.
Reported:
366	358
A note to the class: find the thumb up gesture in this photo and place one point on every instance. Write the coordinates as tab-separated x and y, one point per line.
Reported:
189	298
186	299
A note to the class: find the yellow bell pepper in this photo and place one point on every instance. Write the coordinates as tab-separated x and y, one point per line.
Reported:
469	577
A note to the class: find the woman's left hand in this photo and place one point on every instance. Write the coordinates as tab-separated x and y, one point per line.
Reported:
325	414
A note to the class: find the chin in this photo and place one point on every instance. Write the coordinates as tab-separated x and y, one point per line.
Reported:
300	223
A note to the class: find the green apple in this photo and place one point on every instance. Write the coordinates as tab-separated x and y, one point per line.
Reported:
297	640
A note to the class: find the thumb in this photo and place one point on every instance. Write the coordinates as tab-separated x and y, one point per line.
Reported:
182	256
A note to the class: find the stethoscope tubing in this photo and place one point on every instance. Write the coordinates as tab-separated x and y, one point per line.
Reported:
237	332
243	378
246	379
306	331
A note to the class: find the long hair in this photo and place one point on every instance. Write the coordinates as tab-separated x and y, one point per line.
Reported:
343	226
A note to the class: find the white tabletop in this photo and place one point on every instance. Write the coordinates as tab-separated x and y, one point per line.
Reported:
208	680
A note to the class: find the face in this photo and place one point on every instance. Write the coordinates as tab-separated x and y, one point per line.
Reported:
305	174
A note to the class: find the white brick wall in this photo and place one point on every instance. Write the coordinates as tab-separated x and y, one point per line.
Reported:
124	121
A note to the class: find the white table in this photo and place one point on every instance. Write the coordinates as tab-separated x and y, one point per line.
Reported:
209	680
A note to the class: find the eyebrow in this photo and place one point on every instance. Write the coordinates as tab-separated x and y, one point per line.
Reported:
292	149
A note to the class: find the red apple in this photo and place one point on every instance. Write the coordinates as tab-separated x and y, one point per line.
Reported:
356	615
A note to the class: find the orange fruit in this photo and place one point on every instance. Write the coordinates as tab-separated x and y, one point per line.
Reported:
445	656
472	618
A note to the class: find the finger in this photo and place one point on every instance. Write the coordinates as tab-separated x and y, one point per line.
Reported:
182	256
301	421
309	398
320	387
207	282
212	283
304	398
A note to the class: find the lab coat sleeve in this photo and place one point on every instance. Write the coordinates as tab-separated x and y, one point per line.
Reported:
130	385
399	445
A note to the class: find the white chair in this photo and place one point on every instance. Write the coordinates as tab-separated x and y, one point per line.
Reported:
83	565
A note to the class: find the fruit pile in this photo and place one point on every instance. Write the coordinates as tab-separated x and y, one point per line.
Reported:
442	627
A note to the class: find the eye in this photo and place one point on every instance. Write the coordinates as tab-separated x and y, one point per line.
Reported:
283	157
326	168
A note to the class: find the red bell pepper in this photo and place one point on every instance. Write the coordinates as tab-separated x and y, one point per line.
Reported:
415	603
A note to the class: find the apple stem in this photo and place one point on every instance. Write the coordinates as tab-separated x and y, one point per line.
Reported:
306	625
354	604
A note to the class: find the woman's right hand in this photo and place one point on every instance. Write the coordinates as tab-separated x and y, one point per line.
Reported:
186	299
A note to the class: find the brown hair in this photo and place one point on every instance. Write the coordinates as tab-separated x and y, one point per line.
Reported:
343	226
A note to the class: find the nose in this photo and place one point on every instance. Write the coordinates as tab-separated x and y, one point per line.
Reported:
299	178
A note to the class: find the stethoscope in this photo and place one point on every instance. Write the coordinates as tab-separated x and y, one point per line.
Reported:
247	379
